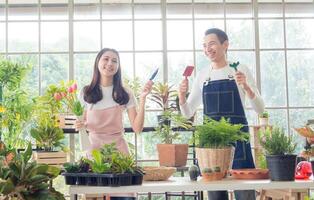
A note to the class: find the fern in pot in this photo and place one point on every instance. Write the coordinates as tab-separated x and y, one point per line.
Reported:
279	148
214	142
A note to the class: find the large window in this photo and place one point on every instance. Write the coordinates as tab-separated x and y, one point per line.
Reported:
273	38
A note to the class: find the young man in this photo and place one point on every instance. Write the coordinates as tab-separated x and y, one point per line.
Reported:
223	89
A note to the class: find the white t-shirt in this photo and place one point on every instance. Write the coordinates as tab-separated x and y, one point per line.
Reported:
107	100
196	98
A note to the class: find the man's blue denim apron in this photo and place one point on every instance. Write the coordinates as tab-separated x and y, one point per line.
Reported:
221	98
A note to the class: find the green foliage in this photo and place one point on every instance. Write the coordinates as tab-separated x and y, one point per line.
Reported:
47	133
218	134
17	105
265	114
163	95
98	164
261	161
276	142
11	73
109	160
48	137
71	167
16	118
25	179
122	163
165	133
134	85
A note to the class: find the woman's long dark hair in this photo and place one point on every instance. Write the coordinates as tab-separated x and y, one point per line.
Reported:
93	93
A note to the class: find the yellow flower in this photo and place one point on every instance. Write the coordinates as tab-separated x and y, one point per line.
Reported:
2	109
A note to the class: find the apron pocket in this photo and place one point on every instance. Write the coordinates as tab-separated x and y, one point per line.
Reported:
226	102
211	103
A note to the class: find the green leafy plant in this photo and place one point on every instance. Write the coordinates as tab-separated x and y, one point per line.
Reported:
25	179
165	132
46	132
109	160
122	163
265	114
71	167
48	137
15	103
135	85
98	165
276	142
163	95
218	134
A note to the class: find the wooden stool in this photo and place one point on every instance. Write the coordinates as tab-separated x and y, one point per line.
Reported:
287	194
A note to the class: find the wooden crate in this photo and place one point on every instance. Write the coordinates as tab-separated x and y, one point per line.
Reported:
50	158
96	197
66	121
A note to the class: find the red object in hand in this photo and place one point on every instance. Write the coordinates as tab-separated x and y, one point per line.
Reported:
188	71
303	170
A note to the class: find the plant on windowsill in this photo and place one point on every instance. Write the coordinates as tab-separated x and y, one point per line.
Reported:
214	141
279	148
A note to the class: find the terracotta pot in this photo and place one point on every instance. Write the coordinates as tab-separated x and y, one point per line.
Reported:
172	155
211	158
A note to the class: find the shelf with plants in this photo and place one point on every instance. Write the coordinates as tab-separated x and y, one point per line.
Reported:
108	167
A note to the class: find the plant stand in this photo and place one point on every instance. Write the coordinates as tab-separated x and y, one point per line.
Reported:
51	158
257	149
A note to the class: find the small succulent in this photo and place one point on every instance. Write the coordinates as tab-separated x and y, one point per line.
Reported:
207	170
235	65
194	172
217	169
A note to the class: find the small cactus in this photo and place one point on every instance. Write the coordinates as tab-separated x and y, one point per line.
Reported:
217	169
207	171
194	172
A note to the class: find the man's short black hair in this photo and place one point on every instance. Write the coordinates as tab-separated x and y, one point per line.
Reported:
222	36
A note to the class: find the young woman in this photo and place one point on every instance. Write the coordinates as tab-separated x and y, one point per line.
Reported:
106	99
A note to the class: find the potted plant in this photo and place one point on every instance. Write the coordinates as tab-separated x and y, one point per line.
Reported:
279	149
46	132
16	105
263	118
25	179
163	95
169	154
214	141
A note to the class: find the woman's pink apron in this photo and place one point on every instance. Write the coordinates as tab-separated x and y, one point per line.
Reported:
105	126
